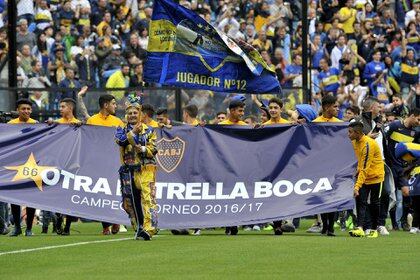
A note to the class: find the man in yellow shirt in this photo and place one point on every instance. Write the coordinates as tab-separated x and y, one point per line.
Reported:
105	117
347	16
329	114
189	115
67	106
275	106
119	79
147	115
24	108
236	113
329	110
370	176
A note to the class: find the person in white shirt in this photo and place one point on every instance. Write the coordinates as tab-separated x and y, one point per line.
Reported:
338	50
411	15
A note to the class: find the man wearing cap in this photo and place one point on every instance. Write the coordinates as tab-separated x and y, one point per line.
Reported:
24	108
112	62
137	144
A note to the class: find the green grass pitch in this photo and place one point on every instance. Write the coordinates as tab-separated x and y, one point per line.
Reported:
212	255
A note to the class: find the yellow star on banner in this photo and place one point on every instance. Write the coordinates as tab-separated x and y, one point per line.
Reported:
30	170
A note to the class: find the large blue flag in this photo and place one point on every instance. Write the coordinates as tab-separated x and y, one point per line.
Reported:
186	51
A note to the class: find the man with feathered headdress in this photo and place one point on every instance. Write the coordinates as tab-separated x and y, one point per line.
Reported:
137	144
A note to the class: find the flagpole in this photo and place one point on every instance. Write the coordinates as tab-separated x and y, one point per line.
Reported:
305	88
178	98
11	34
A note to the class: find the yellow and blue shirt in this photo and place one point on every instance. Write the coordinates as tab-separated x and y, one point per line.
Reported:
329	80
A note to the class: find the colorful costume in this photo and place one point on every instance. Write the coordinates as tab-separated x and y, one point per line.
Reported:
138	176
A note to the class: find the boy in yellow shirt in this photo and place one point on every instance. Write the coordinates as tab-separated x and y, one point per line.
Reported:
370	176
236	113
24	108
275	106
329	110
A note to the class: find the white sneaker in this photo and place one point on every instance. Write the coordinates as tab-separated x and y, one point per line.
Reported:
247	228
256	228
382	230
314	229
410	220
197	232
414	230
123	228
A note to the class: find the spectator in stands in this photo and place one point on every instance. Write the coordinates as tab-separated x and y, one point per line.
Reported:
24	37
293	71
57	64
113	62
136	78
373	67
119	79
69	82
87	63
26	59
133	47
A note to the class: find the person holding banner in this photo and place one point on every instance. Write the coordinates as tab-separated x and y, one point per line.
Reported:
24	108
189	115
105	117
236	112
275	106
138	149
370	177
329	114
67	106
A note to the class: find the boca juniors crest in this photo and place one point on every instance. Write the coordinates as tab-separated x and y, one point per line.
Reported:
170	153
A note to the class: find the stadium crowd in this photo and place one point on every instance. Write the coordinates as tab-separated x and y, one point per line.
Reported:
363	65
